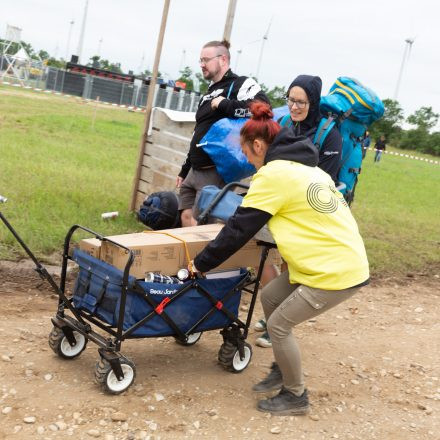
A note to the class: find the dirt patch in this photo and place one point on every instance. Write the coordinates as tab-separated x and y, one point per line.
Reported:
372	368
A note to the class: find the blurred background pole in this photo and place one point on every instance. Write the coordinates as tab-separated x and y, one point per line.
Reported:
71	23
229	20
408	45
94	112
150	101
81	35
263	41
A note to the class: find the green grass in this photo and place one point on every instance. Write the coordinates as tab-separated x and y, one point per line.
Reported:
57	170
397	207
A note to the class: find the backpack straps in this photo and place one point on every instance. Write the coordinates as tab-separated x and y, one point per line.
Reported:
286	121
324	128
230	90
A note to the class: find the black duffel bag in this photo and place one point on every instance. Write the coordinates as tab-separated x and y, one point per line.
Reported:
160	211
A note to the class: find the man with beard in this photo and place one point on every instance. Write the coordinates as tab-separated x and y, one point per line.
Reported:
228	96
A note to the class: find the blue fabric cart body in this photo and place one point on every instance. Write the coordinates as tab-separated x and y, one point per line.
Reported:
98	291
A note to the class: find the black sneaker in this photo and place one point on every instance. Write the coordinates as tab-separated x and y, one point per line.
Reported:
285	403
273	381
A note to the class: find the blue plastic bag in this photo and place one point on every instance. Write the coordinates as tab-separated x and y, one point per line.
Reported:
222	143
279	112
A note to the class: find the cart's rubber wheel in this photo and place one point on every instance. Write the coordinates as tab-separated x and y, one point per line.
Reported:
191	339
229	357
59	343
105	376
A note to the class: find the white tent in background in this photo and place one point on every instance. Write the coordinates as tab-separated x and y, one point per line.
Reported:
21	55
18	66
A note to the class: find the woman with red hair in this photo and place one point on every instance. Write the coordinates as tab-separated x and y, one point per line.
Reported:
315	234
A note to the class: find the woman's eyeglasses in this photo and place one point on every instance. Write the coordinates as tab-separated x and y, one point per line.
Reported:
299	104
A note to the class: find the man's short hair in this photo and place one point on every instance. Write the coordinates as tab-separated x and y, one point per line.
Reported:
222	46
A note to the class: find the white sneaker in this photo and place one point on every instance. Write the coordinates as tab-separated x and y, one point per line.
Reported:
260	326
264	341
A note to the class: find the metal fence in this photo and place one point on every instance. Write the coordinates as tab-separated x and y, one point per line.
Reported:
104	89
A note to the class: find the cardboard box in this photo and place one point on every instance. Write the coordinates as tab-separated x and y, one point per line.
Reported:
91	246
159	252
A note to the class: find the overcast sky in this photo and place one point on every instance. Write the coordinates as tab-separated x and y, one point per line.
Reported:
365	40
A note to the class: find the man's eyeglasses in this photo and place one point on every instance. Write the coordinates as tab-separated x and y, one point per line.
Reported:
207	60
299	104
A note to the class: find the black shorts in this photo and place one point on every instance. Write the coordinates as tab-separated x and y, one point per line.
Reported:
192	185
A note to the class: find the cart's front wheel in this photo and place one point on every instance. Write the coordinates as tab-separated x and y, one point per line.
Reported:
229	357
190	339
59	343
104	375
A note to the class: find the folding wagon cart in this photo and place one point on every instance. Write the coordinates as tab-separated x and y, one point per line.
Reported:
109	305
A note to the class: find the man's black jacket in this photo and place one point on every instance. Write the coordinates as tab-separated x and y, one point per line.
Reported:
241	90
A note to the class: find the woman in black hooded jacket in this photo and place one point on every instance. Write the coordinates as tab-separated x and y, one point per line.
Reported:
303	96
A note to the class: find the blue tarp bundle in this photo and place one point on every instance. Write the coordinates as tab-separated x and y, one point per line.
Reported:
222	143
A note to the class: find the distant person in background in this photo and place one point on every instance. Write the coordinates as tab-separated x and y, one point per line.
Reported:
365	144
228	96
380	146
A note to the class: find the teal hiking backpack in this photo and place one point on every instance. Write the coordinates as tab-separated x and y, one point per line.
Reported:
352	107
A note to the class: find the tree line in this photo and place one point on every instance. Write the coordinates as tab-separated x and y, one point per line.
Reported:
419	137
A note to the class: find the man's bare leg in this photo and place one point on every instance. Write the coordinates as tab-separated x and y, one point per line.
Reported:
187	218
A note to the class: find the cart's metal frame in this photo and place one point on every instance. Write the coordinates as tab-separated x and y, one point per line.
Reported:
81	322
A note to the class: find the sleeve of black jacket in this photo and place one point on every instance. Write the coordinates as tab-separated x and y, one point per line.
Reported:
330	155
185	167
239	229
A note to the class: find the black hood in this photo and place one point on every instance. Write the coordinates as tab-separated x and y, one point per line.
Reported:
288	146
312	85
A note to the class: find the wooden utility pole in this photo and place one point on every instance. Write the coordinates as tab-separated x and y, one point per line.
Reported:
149	105
229	20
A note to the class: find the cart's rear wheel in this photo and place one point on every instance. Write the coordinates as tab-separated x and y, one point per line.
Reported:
191	339
229	357
59	343
104	375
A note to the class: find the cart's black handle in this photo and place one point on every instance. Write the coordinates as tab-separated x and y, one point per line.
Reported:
202	219
41	270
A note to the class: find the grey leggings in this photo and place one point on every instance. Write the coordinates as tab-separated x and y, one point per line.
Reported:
285	305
